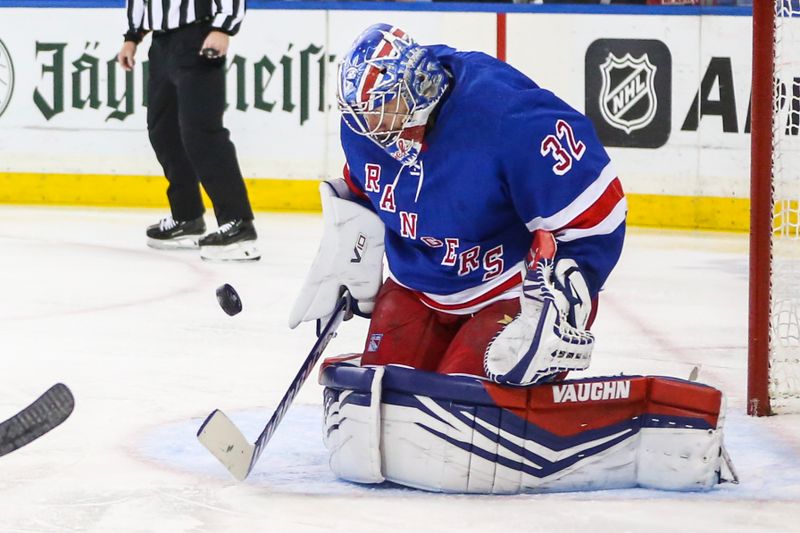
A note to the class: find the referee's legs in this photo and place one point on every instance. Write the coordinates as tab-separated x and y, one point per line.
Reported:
201	93
183	192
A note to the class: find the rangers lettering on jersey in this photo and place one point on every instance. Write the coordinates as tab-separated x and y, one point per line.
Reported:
408	224
595	391
387	199
450	252
373	174
493	263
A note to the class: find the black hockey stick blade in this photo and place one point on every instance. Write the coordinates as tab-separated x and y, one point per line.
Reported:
47	412
228	444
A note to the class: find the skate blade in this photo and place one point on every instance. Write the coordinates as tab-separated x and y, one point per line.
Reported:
181	243
238	251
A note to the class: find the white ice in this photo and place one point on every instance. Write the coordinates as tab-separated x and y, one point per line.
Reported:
138	336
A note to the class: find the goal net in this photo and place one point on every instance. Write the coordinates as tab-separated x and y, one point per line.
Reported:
774	359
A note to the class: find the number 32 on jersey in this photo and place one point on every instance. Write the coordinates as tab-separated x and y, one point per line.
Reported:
554	145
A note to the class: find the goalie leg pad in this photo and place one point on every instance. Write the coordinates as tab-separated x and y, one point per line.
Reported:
679	459
466	435
682	454
351	427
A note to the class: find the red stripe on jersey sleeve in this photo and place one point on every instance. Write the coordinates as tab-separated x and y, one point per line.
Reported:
599	210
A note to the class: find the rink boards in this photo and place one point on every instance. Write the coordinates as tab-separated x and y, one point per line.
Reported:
667	88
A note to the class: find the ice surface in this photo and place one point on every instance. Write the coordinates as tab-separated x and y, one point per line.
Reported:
138	336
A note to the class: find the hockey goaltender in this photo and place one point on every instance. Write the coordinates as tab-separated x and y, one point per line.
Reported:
500	217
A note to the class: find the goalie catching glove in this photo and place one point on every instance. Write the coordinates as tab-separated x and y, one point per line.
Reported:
549	335
350	256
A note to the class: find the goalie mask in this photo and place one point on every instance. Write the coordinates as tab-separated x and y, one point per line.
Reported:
388	87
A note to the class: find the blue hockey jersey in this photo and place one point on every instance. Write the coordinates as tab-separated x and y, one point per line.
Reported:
503	159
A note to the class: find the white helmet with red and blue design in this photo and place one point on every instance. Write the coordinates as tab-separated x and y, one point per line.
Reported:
388	86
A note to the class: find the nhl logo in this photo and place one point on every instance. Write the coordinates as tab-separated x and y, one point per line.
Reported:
627	96
628	91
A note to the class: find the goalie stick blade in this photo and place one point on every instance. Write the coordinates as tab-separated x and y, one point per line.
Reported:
48	411
223	439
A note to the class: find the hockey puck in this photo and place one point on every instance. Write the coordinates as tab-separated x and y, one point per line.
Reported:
229	299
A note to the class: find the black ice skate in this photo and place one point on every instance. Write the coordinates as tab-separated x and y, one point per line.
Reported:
233	241
171	234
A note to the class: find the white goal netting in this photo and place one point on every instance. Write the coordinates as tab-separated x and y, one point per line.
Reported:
784	372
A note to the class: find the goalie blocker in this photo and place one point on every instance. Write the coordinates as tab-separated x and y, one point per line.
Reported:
454	433
350	256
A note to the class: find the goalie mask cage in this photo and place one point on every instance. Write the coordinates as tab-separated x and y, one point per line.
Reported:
774	337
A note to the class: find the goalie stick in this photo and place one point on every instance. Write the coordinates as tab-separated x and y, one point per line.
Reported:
226	442
48	411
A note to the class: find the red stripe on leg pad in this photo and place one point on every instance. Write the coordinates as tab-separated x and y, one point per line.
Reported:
573	407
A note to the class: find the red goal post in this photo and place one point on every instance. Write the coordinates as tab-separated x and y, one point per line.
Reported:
774	327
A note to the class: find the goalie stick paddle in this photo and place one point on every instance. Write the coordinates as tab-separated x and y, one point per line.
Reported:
47	412
226	442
